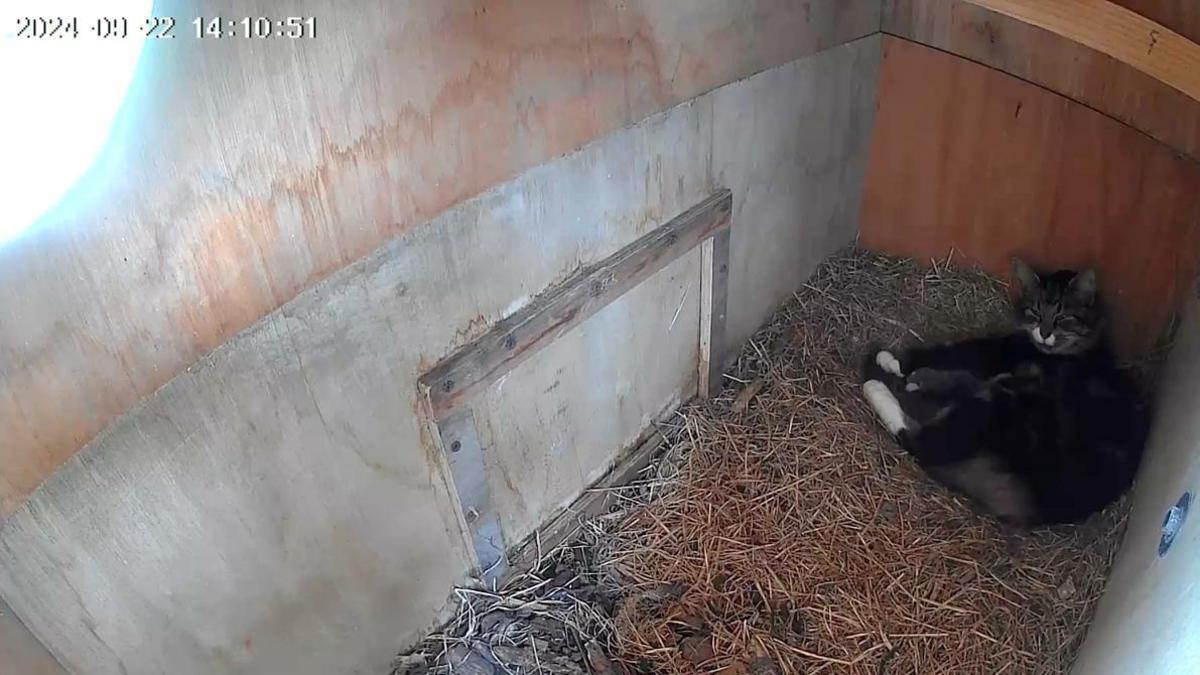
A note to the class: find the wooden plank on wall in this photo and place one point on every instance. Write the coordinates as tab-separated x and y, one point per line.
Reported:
1058	63
967	158
714	298
1181	16
1111	29
448	387
514	339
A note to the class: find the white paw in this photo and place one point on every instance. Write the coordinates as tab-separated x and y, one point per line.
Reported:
887	408
889	363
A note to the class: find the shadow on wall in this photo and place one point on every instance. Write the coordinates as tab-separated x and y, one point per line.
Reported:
1147	620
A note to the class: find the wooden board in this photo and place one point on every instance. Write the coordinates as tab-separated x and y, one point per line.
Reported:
1052	61
246	172
714	299
1115	31
1141	624
1181	16
968	158
515	338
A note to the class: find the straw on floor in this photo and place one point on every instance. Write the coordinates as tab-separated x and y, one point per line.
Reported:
802	538
782	530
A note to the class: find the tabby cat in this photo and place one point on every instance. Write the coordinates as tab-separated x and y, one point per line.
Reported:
1037	426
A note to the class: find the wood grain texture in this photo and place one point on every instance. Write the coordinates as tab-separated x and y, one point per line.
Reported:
970	159
1115	31
516	338
20	651
282	508
1181	16
1110	29
1052	61
240	174
714	299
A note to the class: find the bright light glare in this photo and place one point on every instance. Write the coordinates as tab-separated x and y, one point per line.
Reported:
60	97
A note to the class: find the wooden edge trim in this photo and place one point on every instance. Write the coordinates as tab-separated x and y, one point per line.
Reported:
1117	32
514	339
714	298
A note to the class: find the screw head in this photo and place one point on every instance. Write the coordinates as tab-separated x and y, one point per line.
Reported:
510	341
1173	523
447	386
456	446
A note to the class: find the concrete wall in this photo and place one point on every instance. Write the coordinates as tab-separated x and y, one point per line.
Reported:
275	508
1147	620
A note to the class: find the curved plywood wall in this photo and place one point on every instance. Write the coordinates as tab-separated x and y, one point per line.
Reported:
247	172
1091	77
1114	31
995	161
1181	16
969	159
997	136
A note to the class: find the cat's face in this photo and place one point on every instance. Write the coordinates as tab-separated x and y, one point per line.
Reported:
1059	311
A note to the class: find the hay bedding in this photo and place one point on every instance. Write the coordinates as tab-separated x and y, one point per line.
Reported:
783	531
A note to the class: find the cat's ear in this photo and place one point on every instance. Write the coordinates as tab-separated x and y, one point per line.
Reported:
1083	286
1025	275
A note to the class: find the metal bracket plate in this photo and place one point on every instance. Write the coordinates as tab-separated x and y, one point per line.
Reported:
448	388
464	455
